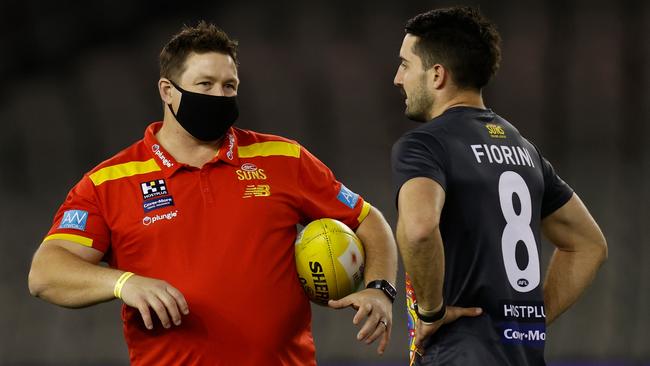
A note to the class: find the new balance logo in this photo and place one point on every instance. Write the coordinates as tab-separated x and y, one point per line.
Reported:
260	190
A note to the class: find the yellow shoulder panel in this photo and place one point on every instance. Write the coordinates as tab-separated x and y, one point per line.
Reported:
123	170
269	148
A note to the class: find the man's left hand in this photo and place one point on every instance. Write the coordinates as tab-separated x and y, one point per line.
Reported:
375	306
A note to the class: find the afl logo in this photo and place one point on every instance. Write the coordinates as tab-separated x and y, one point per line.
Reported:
146	220
155	147
522	282
249	167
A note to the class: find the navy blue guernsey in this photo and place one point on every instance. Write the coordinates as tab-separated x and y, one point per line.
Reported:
498	188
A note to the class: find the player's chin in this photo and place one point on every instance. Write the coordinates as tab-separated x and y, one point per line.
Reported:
417	117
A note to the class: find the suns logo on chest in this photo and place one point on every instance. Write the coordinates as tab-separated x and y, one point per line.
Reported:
249	171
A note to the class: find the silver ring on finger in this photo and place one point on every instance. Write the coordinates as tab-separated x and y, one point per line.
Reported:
383	322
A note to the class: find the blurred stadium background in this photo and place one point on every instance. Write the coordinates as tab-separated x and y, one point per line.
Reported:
78	84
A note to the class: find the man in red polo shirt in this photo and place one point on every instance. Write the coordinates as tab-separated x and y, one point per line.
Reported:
197	222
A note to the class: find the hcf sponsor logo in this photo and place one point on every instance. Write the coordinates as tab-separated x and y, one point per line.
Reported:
163	159
148	220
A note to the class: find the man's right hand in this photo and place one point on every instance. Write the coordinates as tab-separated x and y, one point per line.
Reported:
144	293
425	330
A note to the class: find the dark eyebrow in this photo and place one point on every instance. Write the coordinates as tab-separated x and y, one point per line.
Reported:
403	59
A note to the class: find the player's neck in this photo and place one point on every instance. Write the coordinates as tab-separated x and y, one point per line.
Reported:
183	147
460	98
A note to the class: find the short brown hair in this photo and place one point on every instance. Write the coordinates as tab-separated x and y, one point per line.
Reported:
202	38
461	39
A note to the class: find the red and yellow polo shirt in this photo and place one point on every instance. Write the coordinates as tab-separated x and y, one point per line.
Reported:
222	234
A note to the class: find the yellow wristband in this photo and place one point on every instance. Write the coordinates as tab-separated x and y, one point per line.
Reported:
117	290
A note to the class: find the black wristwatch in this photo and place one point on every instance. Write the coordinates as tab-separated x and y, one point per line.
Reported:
433	317
385	286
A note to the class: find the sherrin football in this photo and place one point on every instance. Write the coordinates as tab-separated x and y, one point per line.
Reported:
329	259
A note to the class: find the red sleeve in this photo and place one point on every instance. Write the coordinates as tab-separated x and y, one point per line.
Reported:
80	220
323	196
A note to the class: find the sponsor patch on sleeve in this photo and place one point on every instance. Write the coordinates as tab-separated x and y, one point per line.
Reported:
347	197
74	219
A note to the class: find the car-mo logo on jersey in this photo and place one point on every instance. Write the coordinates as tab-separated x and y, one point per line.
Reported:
148	220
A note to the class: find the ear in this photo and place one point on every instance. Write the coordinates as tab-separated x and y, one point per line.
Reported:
439	76
165	90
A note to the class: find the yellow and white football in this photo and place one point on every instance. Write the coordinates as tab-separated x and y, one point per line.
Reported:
329	259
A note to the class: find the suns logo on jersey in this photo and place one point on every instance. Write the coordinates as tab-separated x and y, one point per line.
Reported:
250	174
495	131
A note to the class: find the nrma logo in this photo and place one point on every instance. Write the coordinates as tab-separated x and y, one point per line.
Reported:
74	219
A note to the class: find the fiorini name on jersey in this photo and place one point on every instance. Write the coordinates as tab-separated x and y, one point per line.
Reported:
502	154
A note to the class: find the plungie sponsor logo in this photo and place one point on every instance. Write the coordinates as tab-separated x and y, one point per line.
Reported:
163	159
148	220
231	145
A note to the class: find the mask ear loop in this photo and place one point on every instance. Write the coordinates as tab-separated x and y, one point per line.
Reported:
169	105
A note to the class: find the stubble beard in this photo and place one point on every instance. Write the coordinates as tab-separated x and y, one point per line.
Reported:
419	104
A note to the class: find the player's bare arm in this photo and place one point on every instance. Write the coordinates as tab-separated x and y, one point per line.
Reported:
580	250
419	205
381	264
69	275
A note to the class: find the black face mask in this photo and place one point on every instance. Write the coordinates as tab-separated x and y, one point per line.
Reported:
206	117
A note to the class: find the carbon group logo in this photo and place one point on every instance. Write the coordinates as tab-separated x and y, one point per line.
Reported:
148	220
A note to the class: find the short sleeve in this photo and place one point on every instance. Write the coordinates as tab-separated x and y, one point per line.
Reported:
323	196
556	191
80	220
418	155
